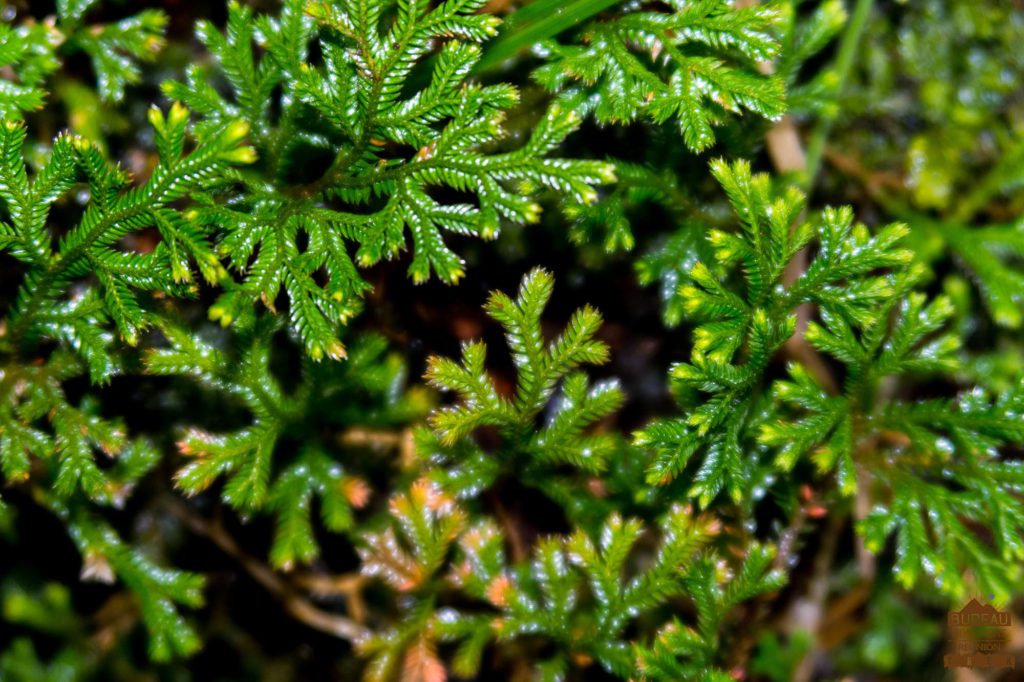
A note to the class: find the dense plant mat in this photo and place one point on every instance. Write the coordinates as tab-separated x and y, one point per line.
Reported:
549	340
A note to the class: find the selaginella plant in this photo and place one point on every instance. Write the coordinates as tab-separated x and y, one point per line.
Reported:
50	338
644	64
580	591
250	457
387	143
33	51
925	469
207	425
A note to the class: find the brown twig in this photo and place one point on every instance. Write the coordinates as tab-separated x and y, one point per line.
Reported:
349	585
806	614
295	604
876	184
784	146
519	547
114	619
382	441
840	622
376	439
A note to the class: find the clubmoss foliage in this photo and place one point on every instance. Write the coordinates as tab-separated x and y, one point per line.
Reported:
303	374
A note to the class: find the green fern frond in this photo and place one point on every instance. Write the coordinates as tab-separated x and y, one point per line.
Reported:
114	210
542	366
391	152
755	320
32	51
922	473
693	64
158	590
580	593
261	473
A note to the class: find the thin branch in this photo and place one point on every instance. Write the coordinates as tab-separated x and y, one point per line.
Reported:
295	604
349	585
519	547
807	614
377	439
382	440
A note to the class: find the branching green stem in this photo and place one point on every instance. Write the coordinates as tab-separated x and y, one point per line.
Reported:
843	65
